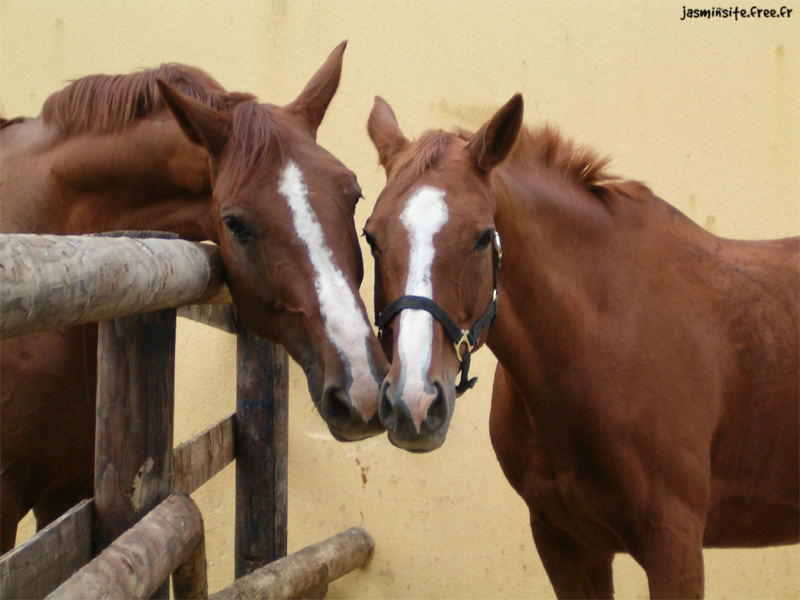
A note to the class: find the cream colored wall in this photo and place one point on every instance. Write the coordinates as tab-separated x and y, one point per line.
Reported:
706	112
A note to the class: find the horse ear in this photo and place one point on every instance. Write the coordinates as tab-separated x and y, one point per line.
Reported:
202	124
385	133
313	101
492	143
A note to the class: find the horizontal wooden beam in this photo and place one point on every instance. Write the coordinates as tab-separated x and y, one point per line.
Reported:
37	567
197	460
49	281
142	558
307	570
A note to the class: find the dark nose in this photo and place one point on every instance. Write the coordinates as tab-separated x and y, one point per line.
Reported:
344	421
403	429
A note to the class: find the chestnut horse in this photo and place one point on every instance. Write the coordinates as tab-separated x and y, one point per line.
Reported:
169	149
646	396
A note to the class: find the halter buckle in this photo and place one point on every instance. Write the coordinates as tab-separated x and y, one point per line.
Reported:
463	340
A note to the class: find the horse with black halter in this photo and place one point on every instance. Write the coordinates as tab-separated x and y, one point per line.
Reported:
646	394
170	149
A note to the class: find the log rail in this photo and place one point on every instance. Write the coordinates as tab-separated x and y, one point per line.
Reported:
51	281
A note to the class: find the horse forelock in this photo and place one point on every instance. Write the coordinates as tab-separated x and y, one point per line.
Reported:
424	154
110	103
255	148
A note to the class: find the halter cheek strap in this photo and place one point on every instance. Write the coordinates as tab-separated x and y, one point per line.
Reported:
459	337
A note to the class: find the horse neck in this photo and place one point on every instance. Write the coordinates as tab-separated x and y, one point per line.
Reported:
145	177
568	260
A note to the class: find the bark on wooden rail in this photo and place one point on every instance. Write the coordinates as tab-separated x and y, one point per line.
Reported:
49	281
298	574
197	460
140	560
37	567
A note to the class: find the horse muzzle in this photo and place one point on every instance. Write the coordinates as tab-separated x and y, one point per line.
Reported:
344	421
419	424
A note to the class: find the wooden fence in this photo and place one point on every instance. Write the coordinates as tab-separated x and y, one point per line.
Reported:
141	526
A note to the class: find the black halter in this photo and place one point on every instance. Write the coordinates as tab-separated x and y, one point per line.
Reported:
457	335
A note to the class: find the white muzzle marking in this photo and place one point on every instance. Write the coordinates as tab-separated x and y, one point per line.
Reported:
345	325
424	215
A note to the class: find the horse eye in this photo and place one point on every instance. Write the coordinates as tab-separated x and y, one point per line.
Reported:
352	191
357	194
484	240
236	227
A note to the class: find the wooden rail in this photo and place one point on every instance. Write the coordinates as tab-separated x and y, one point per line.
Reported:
138	562
49	281
65	545
305	571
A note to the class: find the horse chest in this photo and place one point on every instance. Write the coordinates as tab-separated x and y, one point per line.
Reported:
563	481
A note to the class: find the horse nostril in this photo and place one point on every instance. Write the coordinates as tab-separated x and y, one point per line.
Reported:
386	412
336	406
438	410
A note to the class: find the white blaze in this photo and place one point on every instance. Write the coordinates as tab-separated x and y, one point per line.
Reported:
345	324
424	215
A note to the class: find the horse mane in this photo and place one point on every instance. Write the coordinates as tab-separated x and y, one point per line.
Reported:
542	146
576	163
109	103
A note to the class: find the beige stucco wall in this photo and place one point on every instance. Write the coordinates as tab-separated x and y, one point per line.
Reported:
706	112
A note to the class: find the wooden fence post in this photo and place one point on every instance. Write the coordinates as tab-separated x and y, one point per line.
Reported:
135	400
261	452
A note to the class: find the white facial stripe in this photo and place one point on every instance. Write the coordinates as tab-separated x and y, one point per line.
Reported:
424	215
345	324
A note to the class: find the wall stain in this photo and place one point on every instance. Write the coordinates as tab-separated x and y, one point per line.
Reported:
364	470
471	116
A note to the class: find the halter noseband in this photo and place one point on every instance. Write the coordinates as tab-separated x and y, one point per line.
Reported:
457	335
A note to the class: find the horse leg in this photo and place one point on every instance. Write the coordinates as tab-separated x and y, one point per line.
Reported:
574	571
672	556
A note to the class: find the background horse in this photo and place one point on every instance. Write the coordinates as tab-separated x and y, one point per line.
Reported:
105	154
646	396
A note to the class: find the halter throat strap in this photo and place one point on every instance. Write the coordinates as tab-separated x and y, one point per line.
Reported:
458	336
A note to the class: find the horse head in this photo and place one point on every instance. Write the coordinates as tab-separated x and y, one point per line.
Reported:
437	255
283	208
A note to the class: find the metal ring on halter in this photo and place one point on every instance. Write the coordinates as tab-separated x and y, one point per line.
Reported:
463	340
